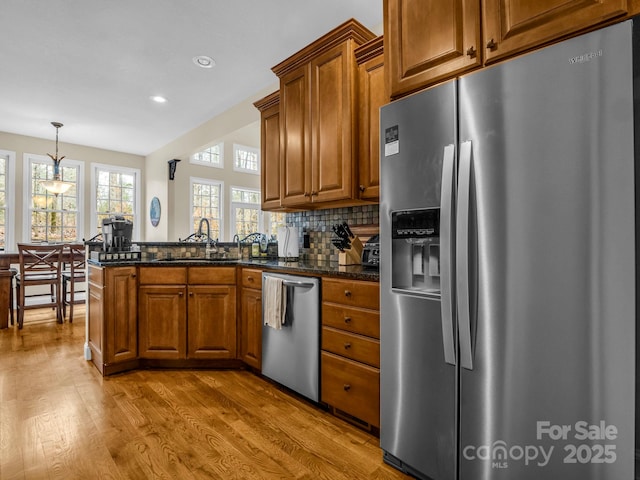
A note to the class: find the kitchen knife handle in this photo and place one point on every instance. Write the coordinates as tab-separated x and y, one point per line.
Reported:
446	275
462	255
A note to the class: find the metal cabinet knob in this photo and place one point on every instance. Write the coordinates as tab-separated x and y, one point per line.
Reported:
180	294
347	319
362	188
306	194
347	293
346	387
492	45
471	51
190	294
347	346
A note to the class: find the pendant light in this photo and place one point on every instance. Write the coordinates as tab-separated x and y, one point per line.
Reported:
56	185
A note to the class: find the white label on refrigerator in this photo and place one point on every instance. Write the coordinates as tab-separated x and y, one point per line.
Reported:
391	141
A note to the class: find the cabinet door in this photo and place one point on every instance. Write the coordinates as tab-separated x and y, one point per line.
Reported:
251	328
372	95
120	311
426	42
270	162
511	26
295	137
162	322
211	321
333	124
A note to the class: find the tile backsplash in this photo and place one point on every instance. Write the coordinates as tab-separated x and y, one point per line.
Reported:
317	223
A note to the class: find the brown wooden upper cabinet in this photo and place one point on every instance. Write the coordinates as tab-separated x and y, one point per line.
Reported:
512	26
372	95
429	41
269	108
318	119
432	41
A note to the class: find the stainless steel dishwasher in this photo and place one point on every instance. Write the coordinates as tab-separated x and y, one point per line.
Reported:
291	355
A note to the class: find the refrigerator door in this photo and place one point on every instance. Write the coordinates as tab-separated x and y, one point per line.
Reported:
548	391
418	386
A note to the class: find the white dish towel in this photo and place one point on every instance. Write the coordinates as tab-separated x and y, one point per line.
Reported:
275	299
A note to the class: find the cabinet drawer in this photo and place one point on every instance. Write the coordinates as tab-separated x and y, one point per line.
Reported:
355	347
252	278
354	320
163	275
351	387
212	275
351	293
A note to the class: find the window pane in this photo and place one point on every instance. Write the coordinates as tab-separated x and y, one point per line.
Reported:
206	204
115	194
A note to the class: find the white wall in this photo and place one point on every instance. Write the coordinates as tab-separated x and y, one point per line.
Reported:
240	124
21	144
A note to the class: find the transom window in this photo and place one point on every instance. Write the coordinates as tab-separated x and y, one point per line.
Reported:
206	202
212	156
115	191
52	217
246	159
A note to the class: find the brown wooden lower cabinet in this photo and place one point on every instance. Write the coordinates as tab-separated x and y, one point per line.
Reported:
351	387
162	322
350	356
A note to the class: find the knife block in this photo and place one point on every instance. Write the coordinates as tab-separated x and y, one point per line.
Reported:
352	255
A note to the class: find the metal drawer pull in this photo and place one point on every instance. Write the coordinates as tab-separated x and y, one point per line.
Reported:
288	283
347	345
347	319
347	293
346	387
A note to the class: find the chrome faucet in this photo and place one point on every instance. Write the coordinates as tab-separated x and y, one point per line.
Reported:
208	248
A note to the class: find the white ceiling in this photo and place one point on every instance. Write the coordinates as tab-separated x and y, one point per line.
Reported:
93	64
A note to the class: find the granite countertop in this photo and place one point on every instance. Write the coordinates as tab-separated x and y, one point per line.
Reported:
356	272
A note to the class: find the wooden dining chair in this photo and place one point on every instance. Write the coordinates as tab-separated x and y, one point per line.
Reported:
40	265
74	272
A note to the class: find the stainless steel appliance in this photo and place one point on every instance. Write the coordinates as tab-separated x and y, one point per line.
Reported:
291	355
371	252
508	278
116	234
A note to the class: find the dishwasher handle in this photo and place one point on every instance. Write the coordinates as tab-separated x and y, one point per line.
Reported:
290	283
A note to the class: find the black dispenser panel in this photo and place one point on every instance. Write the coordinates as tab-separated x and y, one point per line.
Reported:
424	223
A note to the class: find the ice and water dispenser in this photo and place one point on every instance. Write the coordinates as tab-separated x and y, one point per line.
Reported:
415	251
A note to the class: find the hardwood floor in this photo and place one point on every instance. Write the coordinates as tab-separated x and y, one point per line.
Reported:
59	419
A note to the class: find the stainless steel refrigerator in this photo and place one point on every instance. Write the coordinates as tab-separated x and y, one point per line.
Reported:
508	270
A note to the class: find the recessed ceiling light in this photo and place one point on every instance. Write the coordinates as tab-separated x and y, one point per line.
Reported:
204	61
158	99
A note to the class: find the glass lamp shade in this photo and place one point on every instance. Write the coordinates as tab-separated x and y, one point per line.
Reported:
56	185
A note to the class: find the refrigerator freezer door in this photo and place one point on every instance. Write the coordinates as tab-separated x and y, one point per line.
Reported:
418	387
551	393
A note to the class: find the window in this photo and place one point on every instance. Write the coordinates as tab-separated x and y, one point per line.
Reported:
206	202
115	190
7	178
273	220
212	156
52	217
246	159
245	211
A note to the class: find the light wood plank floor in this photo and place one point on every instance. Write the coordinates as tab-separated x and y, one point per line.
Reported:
59	419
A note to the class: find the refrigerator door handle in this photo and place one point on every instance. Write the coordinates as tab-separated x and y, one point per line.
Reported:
462	255
446	260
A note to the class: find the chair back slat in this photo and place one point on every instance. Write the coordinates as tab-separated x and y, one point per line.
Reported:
76	258
38	260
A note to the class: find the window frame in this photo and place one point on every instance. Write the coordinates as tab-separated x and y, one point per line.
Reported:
138	210
233	205
28	158
207	181
10	205
236	147
209	164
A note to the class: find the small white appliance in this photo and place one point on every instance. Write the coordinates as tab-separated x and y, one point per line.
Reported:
288	242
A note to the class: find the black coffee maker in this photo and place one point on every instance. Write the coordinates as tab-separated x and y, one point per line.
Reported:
116	234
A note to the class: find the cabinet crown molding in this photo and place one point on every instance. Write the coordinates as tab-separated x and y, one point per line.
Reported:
349	30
